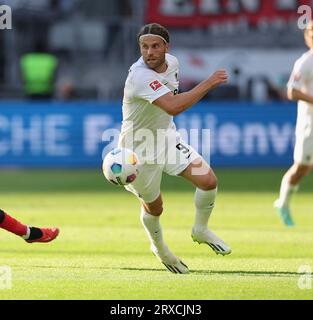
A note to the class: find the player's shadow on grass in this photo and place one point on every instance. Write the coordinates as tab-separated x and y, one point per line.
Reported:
194	272
228	272
248	273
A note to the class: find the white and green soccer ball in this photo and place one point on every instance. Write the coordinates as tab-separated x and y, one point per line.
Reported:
120	166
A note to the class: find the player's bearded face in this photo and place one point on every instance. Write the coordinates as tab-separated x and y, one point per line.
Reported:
153	50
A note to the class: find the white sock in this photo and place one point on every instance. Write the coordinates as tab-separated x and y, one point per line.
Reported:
26	236
204	203
153	228
286	192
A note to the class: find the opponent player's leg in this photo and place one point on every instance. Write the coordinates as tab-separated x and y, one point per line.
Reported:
150	218
29	234
202	176
289	185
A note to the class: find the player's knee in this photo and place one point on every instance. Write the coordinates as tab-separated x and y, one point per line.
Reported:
155	209
158	211
209	182
302	170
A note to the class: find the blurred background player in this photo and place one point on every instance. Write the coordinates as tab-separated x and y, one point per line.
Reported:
300	88
29	234
151	100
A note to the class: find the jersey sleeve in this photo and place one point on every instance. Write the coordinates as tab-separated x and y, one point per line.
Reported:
299	75
147	85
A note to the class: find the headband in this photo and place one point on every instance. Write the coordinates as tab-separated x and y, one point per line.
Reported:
151	34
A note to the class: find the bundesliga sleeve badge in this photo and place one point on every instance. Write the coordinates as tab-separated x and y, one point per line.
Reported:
155	85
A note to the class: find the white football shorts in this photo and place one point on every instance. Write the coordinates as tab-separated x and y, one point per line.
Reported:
173	160
303	152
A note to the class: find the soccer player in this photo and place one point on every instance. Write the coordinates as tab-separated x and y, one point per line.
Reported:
300	88
29	234
151	99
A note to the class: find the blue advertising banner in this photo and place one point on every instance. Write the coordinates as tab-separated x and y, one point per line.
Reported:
78	134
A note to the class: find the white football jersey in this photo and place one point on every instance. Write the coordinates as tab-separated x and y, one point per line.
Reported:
142	87
302	79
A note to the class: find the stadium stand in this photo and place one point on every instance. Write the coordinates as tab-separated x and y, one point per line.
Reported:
89	37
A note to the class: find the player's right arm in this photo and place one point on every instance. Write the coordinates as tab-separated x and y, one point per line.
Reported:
176	104
296	95
298	80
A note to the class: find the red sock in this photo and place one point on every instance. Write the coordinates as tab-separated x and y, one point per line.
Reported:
10	224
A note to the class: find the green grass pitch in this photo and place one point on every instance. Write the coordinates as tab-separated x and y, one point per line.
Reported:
102	251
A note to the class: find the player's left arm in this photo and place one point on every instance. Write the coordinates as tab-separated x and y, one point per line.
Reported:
176	104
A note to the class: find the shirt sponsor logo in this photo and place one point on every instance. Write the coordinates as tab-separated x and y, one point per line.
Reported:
155	85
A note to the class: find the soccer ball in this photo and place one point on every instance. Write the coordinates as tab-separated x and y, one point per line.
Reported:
120	166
